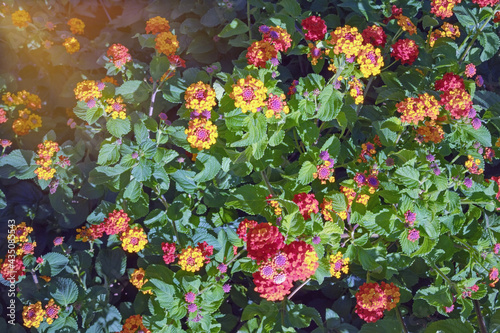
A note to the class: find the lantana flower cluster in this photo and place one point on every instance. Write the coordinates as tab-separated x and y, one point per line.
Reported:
34	314
25	103
191	259
373	299
133	239
279	264
325	170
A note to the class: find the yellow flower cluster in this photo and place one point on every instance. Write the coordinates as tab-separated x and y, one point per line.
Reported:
71	44
134	239
87	90
346	40
191	259
76	26
46	151
447	30
166	43
22	97
21	232
201	133
414	109
137	279
370	60
311	260
116	107
200	96
338	265
249	94
26	122
472	165
356	90
21	19
33	315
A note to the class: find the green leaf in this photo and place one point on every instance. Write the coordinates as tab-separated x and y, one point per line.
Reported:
429	21
339	203
108	154
66	291
111	263
133	91
330	103
482	135
94	114
491	42
53	263
407	245
133	191
257	125
308	132
118	127
201	44
435	296
449	325
159	66
234	28
291	7
142	171
212	17
249	198
208	165
386	325
306	173
276	138
184	181
408	176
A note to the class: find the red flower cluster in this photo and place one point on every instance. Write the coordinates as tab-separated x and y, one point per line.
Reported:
449	82
372	299
374	35
263	241
457	101
118	55
307	204
443	8
315	28
405	50
277	36
243	228
116	222
279	264
484	3
206	251
168	252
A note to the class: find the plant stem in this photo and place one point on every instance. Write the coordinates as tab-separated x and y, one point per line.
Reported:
456	158
298	288
297	142
235	257
165	203
480	319
358	108
447	279
248	21
105	10
153	97
400	318
266	180
476	35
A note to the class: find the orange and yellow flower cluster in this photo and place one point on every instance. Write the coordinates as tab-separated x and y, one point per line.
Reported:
134	324
416	109
137	279
116	108
372	299
117	223
338	265
46	151
249	94
191	259
27	120
201	133
443	8
473	165
21	18
76	26
447	30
